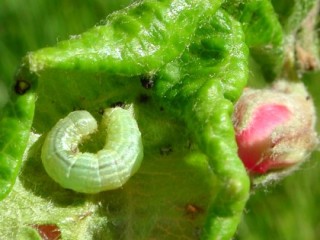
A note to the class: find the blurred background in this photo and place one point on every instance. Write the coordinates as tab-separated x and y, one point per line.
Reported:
288	210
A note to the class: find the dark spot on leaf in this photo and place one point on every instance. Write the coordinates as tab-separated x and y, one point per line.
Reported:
101	111
48	231
21	86
147	81
143	98
308	98
77	108
254	17
166	150
118	104
193	210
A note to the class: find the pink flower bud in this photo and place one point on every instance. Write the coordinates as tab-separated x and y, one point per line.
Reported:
275	128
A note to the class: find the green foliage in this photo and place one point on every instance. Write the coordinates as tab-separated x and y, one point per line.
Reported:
200	88
16	119
191	182
291	13
263	32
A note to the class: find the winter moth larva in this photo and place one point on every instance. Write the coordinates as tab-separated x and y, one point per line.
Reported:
86	172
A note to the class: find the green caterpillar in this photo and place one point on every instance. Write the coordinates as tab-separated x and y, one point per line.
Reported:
86	172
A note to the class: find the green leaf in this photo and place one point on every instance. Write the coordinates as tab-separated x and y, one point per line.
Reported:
292	13
200	88
15	125
264	35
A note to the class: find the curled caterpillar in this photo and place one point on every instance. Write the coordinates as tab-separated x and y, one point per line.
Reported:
86	172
